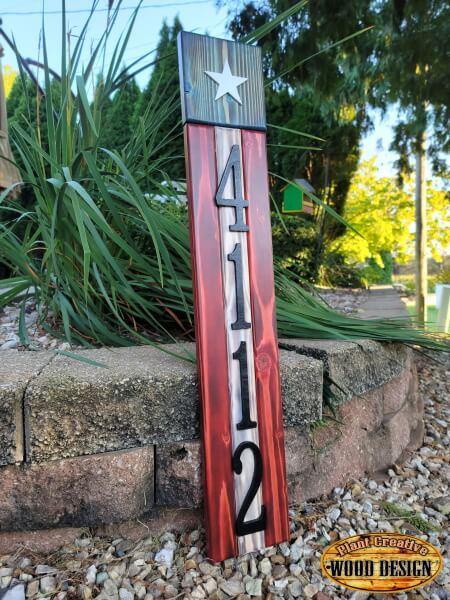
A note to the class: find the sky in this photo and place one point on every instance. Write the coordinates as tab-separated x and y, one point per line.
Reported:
23	20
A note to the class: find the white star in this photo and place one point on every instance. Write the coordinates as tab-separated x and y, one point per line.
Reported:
228	83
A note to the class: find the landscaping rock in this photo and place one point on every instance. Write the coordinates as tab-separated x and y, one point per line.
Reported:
176	564
16	592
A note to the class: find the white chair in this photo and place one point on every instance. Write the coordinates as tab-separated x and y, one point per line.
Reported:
443	320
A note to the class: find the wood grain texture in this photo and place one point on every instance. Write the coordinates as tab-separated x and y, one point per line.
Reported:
212	354
225	139
199	53
268	393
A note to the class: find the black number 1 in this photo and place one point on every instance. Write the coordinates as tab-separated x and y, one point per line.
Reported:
236	257
241	356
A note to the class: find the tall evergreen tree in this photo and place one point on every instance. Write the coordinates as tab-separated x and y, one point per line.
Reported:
401	61
24	104
164	86
119	118
17	103
414	75
324	95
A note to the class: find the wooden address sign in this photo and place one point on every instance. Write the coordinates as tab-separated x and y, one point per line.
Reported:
222	99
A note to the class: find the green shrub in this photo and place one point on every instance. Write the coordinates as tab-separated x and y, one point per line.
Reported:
444	275
296	244
373	273
335	272
112	266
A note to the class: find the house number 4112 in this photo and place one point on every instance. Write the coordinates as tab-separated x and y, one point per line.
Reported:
233	170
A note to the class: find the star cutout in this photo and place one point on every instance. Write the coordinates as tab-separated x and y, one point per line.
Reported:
228	83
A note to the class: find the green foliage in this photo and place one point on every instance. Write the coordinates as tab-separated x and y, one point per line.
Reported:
409	516
164	85
335	272
295	244
373	272
443	275
316	92
413	39
22	100
329	165
384	214
106	263
9	76
301	314
77	249
26	107
120	118
409	281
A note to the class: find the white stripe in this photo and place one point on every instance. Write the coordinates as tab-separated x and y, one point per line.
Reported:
225	139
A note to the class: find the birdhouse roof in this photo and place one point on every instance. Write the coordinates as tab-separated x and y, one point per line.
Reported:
305	185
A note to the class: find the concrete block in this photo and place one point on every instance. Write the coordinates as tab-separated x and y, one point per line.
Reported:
370	437
179	475
17	369
301	388
367	440
83	491
356	367
145	397
41	541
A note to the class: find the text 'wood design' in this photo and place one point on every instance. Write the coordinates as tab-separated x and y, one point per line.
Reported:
237	354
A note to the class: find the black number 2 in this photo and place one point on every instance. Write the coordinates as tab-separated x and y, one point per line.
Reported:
233	167
245	527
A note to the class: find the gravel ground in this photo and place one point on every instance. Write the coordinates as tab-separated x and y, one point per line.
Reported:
346	301
412	498
38	338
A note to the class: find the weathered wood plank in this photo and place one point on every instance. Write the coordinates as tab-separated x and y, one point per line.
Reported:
268	392
225	139
223	106
212	356
199	54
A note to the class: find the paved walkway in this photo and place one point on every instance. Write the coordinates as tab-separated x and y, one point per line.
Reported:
383	303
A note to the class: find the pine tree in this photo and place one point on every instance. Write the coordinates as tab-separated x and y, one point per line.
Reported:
24	104
16	103
413	74
324	95
119	117
164	87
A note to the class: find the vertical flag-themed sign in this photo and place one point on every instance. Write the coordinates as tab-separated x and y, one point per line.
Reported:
222	99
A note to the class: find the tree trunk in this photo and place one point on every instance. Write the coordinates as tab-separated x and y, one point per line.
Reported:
421	230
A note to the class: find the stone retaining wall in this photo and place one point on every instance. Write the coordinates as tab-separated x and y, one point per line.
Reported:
82	445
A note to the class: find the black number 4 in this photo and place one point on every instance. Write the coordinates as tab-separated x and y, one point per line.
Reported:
233	167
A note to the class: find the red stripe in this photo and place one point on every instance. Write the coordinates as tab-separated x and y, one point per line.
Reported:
268	392
212	359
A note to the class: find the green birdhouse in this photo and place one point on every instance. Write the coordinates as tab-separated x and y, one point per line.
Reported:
295	197
292	199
